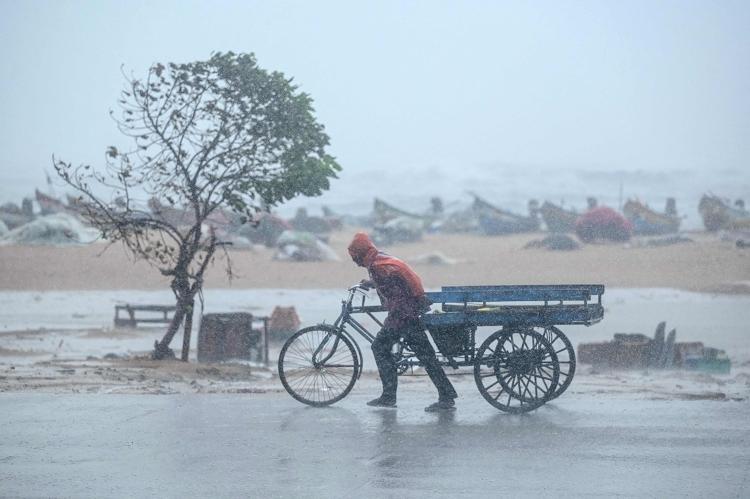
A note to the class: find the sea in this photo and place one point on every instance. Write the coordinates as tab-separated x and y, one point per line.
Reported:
512	187
507	186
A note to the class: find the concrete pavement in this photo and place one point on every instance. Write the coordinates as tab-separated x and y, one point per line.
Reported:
268	445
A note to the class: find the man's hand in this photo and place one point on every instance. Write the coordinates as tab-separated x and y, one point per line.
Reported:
366	284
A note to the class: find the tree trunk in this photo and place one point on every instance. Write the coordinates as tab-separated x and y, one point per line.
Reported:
185	293
161	348
187	330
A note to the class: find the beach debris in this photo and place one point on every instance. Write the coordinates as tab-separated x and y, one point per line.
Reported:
233	336
59	229
303	247
657	242
602	223
638	351
283	322
740	238
555	242
238	242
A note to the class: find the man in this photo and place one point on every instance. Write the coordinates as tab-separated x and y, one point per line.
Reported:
402	294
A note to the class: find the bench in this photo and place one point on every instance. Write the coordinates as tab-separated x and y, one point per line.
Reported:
156	314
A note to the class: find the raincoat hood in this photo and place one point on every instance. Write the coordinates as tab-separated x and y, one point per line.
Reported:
362	250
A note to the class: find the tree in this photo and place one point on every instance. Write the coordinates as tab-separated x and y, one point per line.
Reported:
221	134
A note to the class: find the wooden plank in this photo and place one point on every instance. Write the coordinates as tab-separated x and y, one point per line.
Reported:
155	320
594	288
508	294
528	316
147	308
531	289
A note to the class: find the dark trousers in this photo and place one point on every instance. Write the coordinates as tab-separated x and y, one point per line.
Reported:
416	340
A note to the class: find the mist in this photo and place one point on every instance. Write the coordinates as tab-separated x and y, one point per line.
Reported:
533	196
417	87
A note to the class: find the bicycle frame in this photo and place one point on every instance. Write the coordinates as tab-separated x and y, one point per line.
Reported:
347	309
345	318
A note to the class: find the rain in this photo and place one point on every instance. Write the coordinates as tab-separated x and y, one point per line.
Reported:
335	249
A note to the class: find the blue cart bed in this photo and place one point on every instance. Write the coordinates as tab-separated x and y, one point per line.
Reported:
523	305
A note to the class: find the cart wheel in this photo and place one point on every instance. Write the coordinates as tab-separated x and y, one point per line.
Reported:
318	365
566	357
516	370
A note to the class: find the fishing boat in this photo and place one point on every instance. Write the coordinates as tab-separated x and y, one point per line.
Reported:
304	222
394	225
557	218
495	221
48	204
384	212
12	215
650	222
718	213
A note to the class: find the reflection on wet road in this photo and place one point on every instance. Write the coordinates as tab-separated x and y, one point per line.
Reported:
272	446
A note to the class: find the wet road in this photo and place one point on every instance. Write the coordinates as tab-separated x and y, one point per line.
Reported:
271	446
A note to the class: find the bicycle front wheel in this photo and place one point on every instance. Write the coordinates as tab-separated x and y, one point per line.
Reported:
318	365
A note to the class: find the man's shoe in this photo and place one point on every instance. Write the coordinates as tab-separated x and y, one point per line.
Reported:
382	402
441	405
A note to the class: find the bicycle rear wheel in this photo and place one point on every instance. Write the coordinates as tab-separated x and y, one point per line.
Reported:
318	365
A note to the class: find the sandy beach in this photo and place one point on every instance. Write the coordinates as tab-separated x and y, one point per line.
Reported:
707	264
58	304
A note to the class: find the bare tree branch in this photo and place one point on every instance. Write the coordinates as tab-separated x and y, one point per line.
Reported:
206	136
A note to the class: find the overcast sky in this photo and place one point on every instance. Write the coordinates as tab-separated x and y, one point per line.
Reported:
605	85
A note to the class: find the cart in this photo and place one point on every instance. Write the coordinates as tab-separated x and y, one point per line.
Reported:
522	365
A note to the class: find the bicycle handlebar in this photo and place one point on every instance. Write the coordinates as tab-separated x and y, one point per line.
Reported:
353	291
359	286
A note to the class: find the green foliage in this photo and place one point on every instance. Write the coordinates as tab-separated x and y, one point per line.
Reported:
208	135
221	133
224	132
